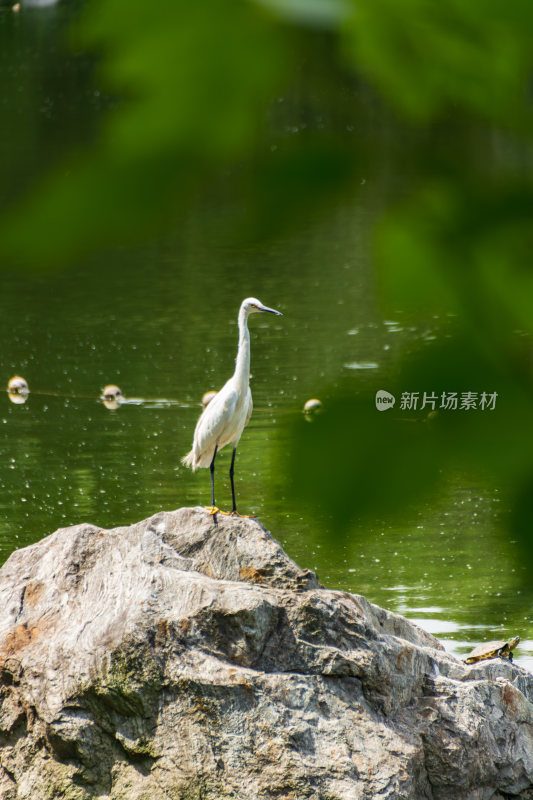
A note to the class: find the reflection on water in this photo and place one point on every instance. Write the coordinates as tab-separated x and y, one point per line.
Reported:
362	365
161	320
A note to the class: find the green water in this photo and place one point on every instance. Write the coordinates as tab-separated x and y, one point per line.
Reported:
160	321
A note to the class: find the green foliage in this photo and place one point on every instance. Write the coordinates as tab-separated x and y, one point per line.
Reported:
463	249
193	79
358	461
193	84
429	56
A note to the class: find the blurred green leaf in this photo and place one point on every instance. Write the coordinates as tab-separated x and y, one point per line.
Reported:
322	13
355	461
194	80
462	252
293	185
428	57
521	523
197	74
193	83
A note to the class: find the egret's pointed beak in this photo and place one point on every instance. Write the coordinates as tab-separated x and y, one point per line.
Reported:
270	310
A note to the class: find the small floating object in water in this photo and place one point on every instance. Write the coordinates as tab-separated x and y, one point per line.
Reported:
112	396
207	397
18	385
312	406
15	8
18	390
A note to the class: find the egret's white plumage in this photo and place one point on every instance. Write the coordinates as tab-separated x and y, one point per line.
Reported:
224	419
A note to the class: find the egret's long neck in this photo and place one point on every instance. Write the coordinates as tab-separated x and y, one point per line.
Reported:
242	362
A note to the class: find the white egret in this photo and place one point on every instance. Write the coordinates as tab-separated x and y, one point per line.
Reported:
224	419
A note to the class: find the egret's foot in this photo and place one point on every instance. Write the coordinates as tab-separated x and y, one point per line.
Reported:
214	510
235	513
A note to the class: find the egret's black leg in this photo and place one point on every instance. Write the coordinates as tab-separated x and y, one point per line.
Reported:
212	508
231	470
212	471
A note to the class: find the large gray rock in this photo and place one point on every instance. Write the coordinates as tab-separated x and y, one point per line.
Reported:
189	657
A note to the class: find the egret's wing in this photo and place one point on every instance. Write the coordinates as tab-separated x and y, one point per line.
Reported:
215	423
250	407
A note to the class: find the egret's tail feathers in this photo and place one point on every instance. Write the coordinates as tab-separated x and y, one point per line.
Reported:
189	460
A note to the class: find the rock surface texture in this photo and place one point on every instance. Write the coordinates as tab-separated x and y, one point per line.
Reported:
188	657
